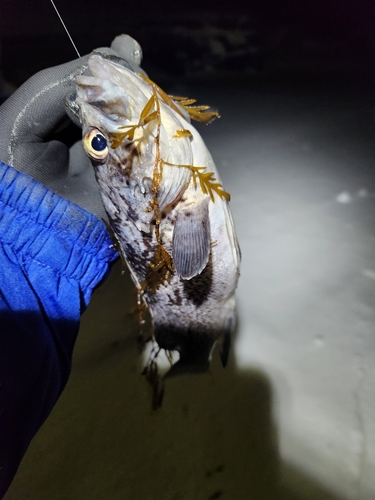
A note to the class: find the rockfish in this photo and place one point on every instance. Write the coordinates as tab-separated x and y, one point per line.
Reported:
165	204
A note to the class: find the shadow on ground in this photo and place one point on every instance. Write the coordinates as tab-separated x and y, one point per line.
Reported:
213	438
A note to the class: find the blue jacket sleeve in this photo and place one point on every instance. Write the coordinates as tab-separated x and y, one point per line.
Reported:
52	256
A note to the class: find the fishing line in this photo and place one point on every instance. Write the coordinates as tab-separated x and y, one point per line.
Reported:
66	29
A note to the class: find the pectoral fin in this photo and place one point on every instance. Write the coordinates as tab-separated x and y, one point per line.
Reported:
191	240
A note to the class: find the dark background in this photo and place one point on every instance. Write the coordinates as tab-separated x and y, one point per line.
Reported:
196	37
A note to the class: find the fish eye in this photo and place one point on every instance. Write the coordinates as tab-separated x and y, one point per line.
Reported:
95	145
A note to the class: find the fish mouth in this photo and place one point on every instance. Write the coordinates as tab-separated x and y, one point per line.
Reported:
71	106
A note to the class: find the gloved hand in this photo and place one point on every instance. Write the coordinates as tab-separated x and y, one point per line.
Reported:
37	137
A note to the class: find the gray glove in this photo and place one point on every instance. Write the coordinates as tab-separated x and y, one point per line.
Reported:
37	137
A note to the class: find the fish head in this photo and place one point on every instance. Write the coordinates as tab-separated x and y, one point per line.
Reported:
121	117
109	98
108	103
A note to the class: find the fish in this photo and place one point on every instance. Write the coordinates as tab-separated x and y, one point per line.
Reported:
166	206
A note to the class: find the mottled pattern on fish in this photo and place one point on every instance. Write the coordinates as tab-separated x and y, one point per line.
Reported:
170	216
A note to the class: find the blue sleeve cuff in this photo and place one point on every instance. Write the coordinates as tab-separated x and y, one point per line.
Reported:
52	256
44	228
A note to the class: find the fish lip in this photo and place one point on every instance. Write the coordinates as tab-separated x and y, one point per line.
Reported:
115	59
